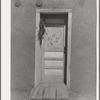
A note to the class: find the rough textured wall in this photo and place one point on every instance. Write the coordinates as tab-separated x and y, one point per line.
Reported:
83	69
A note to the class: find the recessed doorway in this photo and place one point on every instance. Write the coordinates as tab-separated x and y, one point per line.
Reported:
52	58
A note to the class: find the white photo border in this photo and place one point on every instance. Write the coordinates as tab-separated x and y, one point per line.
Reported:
6	50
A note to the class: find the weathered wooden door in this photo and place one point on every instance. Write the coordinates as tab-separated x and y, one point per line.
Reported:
53	55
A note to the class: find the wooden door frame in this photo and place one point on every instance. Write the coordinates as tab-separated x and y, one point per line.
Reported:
38	49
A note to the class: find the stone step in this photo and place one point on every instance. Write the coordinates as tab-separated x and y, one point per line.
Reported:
50	92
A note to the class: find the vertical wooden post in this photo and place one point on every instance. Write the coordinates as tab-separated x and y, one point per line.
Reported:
37	52
69	48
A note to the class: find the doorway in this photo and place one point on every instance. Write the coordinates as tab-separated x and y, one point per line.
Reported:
54	44
52	59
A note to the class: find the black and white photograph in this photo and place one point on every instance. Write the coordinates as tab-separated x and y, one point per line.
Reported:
53	50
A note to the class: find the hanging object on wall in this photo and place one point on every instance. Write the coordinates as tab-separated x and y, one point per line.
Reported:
41	31
53	39
17	3
39	3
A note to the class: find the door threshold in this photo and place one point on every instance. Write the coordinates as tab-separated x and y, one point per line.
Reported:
50	92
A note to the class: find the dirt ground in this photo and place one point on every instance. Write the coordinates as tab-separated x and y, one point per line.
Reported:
24	95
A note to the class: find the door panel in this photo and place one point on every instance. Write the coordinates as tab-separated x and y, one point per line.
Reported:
53	55
53	72
54	39
53	63
53	67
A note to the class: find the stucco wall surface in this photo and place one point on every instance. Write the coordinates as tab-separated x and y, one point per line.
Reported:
83	62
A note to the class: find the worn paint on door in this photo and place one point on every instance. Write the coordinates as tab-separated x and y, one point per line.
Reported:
53	55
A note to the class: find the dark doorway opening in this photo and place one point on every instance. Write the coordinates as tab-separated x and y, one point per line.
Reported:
52	20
